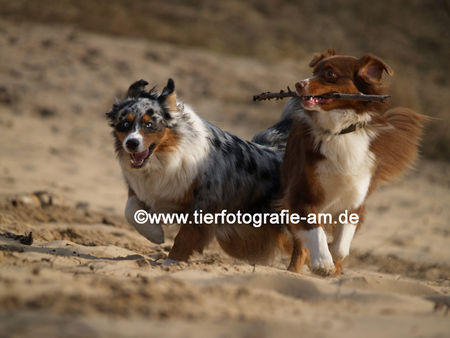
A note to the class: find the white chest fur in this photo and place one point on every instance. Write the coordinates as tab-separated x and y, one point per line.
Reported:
164	181
346	171
159	190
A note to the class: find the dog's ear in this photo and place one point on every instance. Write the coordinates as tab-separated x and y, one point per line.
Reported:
371	69
168	97
111	116
320	56
137	88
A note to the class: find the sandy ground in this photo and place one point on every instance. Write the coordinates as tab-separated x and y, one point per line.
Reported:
88	273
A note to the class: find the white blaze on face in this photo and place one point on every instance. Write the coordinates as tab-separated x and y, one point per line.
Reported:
340	248
315	240
134	135
307	80
306	86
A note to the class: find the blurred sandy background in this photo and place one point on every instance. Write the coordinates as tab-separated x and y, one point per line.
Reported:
63	63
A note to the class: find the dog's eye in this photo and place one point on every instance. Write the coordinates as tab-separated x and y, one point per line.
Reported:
123	126
148	125
330	75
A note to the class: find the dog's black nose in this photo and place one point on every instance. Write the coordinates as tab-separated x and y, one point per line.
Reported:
132	144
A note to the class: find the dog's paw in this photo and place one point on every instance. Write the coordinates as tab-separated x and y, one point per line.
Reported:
315	241
322	262
323	267
169	262
340	247
338	253
153	232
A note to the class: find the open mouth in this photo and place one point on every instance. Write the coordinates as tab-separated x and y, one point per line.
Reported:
138	159
309	101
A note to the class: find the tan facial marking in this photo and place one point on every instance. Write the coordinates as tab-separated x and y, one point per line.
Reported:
146	119
121	135
130	117
165	140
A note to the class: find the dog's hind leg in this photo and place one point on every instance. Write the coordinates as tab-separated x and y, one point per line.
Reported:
299	255
190	238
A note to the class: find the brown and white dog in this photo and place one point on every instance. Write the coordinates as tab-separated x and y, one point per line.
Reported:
339	150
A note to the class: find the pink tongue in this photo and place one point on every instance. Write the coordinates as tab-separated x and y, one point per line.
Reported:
316	100
140	157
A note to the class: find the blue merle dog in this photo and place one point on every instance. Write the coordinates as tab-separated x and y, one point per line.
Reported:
174	161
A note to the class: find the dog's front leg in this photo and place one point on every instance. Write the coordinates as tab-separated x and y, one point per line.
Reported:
342	239
153	232
340	247
310	237
313	238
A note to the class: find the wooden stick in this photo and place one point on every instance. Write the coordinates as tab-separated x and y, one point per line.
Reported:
278	96
282	94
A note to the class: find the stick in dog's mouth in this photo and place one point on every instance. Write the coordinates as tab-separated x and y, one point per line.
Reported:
138	159
358	97
332	95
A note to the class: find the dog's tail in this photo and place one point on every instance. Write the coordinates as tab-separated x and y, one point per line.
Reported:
396	145
276	136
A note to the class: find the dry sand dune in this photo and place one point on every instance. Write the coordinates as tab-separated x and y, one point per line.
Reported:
87	273
88	276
